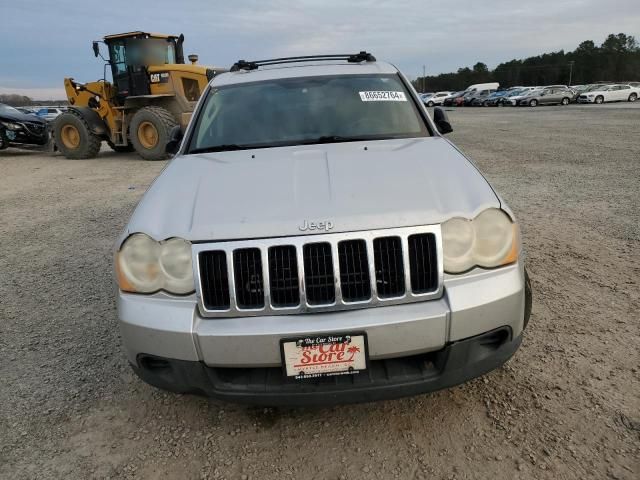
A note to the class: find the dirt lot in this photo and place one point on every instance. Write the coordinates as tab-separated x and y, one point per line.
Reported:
566	406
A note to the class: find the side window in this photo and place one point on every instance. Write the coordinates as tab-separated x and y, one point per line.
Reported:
625	87
117	54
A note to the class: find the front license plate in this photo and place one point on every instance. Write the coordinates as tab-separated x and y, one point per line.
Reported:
324	355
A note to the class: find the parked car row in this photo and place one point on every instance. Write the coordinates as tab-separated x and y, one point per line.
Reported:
49	113
490	95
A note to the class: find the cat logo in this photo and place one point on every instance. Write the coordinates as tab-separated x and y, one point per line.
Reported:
161	77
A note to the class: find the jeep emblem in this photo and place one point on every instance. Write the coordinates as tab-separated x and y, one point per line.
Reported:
325	225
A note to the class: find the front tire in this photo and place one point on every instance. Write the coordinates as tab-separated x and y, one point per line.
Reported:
565	101
533	103
633	97
150	131
430	104
528	298
73	137
599	99
485	103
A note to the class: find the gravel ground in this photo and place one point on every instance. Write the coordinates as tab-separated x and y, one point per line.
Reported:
566	406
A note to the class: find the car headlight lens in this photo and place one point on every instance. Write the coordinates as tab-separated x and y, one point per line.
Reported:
457	241
11	125
489	240
145	266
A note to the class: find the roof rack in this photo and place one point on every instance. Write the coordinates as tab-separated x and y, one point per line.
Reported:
349	57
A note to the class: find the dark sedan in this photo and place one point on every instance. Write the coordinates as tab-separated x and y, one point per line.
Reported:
17	128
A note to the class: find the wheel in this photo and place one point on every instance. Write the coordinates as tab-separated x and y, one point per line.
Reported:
633	97
565	101
121	148
485	103
533	103
74	138
3	141
599	99
150	131
500	103
528	298
430	103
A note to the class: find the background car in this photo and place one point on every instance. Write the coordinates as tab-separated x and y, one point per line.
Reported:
508	95
493	99
547	96
436	99
513	100
17	128
610	93
50	113
481	99
449	100
477	97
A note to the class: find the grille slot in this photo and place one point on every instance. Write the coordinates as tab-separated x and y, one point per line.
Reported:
247	270
215	280
389	267
422	262
318	274
283	276
354	271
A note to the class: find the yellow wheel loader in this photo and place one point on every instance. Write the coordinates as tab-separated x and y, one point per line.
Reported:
153	90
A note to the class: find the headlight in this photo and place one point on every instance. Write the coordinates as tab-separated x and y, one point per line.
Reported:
489	240
12	126
145	266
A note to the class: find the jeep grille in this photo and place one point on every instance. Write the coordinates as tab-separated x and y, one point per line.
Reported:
316	273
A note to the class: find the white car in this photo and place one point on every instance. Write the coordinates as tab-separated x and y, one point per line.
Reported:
436	99
611	93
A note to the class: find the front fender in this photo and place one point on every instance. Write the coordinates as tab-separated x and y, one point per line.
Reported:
95	122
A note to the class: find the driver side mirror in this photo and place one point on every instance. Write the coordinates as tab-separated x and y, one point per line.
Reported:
96	49
441	121
175	139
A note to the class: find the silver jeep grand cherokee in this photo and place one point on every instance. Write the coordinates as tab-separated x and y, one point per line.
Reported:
316	240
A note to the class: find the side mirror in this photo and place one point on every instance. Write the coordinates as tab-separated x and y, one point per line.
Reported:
96	49
175	139
441	121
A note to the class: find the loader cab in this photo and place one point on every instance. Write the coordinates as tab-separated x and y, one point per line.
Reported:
130	55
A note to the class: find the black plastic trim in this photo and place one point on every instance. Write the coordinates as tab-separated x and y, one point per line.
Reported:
456	363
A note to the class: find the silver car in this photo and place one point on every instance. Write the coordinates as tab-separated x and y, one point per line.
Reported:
554	95
317	240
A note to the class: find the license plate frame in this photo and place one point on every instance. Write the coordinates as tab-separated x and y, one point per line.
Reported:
350	363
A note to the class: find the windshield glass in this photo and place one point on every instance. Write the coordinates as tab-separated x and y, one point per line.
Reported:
8	109
306	110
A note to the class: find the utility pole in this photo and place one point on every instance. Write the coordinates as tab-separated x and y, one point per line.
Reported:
571	70
424	79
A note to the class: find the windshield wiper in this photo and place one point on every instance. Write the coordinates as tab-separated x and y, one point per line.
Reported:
333	139
221	148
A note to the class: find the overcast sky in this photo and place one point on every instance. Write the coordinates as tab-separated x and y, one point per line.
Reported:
42	41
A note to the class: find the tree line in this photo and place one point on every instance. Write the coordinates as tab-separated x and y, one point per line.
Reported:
616	60
24	101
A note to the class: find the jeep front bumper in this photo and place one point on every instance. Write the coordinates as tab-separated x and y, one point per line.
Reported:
474	327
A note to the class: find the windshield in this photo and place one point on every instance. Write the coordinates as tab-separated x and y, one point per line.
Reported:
306	110
8	109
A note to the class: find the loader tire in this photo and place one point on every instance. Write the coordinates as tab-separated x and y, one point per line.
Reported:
150	131
73	137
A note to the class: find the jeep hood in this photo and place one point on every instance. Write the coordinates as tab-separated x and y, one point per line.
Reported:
270	192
